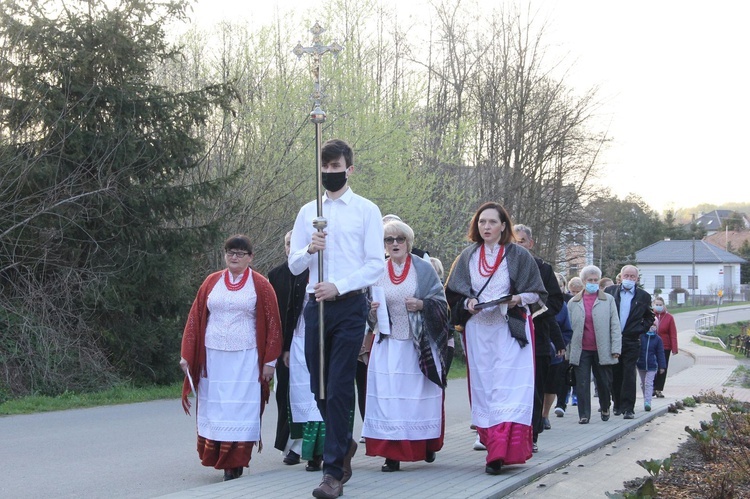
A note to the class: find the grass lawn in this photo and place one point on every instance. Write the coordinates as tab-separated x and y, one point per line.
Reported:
128	394
678	310
122	394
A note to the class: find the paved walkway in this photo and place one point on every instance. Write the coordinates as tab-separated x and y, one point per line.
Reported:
458	471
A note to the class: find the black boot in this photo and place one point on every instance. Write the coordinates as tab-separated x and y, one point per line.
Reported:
391	465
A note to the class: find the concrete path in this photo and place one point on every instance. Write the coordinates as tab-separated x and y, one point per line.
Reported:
458	471
148	450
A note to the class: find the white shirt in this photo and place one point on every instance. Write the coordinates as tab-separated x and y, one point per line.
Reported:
353	258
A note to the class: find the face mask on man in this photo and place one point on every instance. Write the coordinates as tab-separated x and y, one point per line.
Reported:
659	308
628	284
333	182
592	287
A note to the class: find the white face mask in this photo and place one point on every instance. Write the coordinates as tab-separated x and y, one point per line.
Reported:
628	284
658	308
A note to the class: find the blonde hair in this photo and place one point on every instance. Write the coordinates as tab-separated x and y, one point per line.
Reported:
577	282
396	228
438	266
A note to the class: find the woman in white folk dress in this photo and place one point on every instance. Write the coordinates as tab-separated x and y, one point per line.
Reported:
497	339
409	363
229	349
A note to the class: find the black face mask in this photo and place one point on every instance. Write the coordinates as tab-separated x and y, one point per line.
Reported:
333	182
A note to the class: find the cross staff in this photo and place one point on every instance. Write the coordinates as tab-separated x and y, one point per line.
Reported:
318	117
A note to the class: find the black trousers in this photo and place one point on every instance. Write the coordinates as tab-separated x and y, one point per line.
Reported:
624	376
661	378
603	376
540	377
282	402
344	331
361	379
562	389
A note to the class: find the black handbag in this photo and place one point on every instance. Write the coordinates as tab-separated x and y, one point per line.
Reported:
570	375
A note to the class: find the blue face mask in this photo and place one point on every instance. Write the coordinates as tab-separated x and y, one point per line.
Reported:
628	284
592	287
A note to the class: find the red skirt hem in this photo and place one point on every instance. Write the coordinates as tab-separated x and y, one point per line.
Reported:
402	450
224	455
509	442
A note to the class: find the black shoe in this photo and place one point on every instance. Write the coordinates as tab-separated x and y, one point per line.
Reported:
617	411
237	472
229	474
629	415
390	465
494	467
605	416
315	464
430	457
291	458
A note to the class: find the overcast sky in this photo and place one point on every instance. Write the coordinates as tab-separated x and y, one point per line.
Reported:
676	91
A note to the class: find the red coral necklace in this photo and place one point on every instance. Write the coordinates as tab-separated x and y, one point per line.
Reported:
239	285
392	272
485	269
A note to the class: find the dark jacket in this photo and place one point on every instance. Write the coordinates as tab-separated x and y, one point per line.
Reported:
546	328
563	321
290	293
641	316
652	356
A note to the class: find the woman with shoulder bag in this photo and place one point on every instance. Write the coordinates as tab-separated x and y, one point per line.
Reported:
497	333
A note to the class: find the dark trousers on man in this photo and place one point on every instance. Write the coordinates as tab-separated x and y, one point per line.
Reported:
624	376
282	402
344	331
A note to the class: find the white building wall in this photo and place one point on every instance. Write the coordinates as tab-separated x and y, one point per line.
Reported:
709	278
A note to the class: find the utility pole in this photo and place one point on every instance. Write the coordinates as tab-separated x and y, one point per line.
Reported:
692	288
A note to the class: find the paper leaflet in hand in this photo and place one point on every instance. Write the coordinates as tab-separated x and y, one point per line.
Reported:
378	295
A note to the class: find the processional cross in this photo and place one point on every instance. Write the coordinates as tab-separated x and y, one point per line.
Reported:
318	117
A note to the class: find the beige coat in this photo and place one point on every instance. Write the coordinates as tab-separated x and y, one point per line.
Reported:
606	327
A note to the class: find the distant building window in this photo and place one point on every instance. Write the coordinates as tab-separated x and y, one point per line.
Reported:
659	281
676	281
692	282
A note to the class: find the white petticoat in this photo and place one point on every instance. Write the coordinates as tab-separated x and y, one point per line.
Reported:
402	404
301	398
229	398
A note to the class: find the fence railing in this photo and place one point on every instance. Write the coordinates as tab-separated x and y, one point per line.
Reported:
703	327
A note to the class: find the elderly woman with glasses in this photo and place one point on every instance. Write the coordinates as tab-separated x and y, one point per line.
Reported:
596	342
408	358
229	349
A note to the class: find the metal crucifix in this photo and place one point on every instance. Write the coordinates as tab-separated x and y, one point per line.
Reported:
318	117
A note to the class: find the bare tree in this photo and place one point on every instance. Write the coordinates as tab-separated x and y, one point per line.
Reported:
527	141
